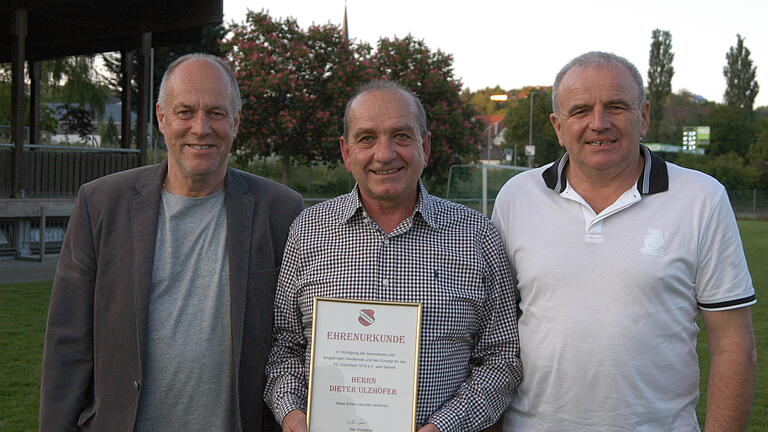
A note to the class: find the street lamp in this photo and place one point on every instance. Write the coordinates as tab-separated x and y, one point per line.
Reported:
502	97
530	149
495	98
488	141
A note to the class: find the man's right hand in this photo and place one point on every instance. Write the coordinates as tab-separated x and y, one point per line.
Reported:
295	421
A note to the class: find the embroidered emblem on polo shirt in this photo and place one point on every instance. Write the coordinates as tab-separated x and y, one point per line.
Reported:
653	244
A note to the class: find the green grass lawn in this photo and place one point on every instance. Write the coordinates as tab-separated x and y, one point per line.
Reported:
22	324
23	309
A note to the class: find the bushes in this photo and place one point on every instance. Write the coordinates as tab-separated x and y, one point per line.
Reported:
316	181
729	169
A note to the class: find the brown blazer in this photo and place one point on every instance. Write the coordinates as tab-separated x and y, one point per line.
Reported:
92	362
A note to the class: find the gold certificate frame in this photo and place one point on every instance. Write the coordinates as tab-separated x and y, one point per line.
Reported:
363	370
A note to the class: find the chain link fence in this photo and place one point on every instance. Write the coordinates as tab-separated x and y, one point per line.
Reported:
21	237
750	204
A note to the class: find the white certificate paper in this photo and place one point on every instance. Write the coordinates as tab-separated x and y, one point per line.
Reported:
363	368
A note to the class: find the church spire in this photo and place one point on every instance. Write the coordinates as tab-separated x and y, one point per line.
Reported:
344	26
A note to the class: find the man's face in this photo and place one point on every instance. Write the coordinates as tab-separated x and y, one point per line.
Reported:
384	150
197	121
600	123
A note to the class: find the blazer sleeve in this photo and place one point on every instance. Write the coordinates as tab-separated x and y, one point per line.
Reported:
67	370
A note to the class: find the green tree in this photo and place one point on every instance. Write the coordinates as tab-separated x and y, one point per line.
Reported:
294	85
482	103
660	72
69	80
681	109
74	80
740	75
758	153
701	163
761	113
5	101
48	121
110	137
456	137
731	131
759	148
729	169
76	120
518	122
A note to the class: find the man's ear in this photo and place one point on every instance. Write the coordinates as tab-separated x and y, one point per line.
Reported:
555	120
236	125
426	145
344	148
160	117
646	114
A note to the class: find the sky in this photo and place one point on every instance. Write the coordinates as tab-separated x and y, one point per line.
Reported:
519	43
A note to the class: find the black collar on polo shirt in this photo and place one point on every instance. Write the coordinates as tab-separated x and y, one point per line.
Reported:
653	179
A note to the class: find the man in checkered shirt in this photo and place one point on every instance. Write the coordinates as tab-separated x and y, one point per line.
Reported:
389	240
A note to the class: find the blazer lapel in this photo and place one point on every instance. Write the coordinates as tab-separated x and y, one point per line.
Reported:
144	211
239	220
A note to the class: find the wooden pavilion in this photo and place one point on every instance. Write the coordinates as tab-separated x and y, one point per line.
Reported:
39	181
38	30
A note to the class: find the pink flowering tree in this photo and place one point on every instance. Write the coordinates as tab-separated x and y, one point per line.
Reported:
455	135
294	85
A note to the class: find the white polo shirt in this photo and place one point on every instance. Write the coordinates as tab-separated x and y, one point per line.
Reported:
609	301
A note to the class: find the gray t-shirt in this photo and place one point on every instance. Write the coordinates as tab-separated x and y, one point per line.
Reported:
188	383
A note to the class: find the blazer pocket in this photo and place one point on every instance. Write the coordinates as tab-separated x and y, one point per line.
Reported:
86	415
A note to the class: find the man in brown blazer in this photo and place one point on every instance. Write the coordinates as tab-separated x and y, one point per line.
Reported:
161	311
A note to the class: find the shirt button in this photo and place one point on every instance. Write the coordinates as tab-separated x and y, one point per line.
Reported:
385	282
386	241
136	385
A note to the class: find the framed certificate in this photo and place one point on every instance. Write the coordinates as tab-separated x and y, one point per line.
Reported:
363	366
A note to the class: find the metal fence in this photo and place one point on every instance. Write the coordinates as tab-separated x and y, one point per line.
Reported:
476	185
7	237
21	237
750	204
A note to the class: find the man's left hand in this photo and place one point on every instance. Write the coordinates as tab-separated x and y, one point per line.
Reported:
429	427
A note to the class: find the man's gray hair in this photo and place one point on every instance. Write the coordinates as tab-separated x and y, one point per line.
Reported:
237	102
420	115
598	58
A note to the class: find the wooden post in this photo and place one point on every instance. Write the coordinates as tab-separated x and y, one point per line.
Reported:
126	69
34	102
143	99
18	54
41	230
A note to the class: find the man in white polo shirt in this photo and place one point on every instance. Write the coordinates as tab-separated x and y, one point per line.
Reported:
616	253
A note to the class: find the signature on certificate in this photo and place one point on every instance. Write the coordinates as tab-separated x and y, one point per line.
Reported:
356	421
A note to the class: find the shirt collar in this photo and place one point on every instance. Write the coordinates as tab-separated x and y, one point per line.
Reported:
653	179
425	205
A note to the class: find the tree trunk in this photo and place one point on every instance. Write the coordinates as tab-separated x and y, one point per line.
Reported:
286	170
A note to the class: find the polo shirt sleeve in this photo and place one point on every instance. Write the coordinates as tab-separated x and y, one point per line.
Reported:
722	278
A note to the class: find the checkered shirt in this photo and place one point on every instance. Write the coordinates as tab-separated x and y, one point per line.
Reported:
446	257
